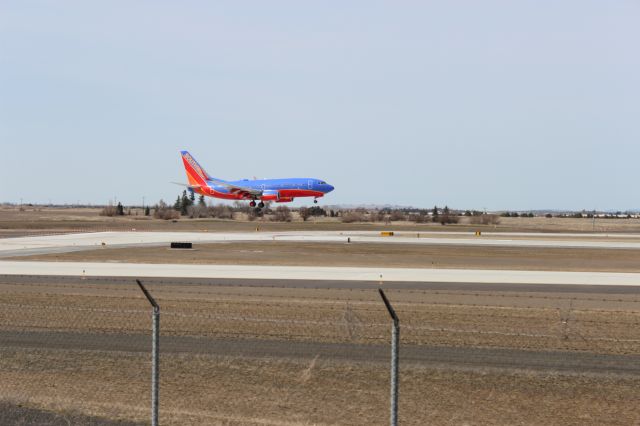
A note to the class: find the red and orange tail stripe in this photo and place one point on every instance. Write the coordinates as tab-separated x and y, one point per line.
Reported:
195	174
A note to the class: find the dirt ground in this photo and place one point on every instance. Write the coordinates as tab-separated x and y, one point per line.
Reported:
21	415
240	391
368	255
38	220
254	389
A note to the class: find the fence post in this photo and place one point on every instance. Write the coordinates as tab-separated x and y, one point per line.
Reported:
395	339
155	355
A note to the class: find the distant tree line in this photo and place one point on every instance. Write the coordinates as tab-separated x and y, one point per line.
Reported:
188	205
444	216
516	214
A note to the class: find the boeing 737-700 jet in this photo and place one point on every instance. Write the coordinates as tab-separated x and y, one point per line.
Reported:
278	190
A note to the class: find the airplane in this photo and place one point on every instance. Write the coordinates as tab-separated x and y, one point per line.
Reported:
257	190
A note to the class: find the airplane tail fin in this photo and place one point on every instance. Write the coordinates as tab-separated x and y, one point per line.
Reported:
195	173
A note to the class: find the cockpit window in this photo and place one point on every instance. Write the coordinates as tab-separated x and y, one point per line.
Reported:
323	182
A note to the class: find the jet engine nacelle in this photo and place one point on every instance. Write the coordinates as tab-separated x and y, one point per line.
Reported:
284	200
274	195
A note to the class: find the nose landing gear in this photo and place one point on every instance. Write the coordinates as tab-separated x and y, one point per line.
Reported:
315	201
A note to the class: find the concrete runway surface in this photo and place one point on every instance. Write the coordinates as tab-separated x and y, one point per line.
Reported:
141	270
86	241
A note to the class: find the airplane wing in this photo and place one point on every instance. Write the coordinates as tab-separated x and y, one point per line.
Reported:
236	189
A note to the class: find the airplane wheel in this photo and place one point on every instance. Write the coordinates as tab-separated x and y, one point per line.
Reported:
252	204
315	201
261	205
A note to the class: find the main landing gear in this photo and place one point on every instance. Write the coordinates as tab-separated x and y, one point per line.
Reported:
315	201
258	207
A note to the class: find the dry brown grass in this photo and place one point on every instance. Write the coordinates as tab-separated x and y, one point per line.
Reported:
238	391
258	390
369	255
46	219
596	323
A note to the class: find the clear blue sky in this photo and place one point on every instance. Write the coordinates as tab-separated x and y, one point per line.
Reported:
496	104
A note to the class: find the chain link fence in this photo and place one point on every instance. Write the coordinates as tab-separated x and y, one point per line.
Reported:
234	352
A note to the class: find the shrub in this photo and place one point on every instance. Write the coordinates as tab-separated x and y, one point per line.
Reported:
162	211
397	215
448	218
378	216
419	218
281	214
197	212
220	211
109	211
352	216
317	211
253	214
485	219
304	213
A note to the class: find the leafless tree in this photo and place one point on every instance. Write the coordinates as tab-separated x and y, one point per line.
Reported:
220	211
197	211
162	211
304	213
281	214
109	210
397	215
353	216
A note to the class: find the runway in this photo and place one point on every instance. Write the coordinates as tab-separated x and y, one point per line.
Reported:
22	246
378	275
